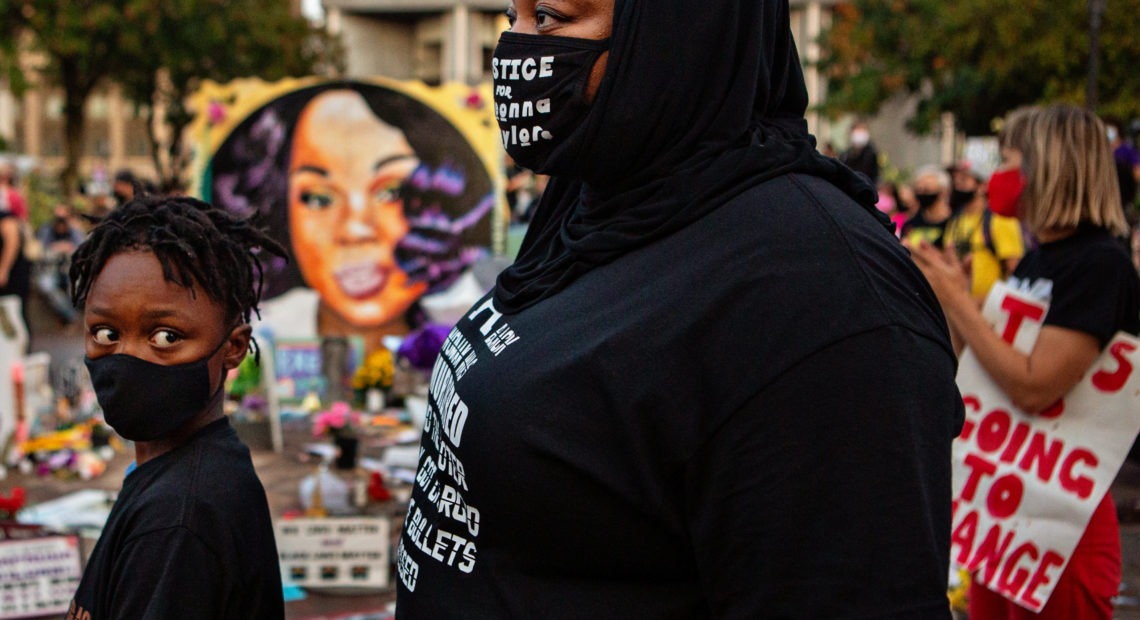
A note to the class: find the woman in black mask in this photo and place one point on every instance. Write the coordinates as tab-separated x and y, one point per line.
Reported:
167	286
713	384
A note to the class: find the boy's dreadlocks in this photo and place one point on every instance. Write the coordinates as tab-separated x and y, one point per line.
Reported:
195	242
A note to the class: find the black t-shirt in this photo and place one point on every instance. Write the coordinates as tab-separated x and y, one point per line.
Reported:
751	417
1088	280
189	537
19	278
920	227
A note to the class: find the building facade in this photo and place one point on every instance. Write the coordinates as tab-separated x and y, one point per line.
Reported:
431	40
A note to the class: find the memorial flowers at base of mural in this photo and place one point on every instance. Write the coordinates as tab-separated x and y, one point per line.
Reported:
374	378
339	420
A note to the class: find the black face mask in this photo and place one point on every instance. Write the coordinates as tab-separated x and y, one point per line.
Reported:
960	198
144	401
540	92
925	201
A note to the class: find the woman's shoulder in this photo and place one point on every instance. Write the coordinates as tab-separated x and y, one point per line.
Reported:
1095	250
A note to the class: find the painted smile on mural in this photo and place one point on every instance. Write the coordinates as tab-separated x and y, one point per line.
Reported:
345	212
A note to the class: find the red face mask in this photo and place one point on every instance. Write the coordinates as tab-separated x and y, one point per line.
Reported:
1005	189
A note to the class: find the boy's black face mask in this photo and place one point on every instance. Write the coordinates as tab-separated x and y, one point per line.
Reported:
540	92
144	401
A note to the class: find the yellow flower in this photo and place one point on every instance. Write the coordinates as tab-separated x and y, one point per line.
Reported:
377	371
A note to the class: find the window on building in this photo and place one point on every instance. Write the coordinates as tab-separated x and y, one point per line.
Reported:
98	107
53	108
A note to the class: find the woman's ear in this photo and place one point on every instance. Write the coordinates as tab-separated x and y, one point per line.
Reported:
237	346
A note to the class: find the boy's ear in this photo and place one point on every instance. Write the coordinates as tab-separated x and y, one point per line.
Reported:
237	345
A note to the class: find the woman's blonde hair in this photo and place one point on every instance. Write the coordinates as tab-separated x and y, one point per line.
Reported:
1012	133
1070	173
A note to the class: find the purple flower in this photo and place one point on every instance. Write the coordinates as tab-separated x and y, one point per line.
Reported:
422	346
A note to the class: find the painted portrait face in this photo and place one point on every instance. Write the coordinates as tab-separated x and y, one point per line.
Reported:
345	211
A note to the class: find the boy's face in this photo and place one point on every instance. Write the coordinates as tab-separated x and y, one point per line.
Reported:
132	309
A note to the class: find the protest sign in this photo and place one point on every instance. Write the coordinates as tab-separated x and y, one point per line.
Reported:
38	575
1026	485
335	552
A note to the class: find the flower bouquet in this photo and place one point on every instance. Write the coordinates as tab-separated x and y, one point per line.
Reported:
341	423
338	421
373	379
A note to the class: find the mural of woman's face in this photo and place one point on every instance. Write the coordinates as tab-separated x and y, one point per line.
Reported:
345	213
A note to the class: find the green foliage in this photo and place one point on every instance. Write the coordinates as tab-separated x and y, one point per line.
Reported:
248	378
42	196
977	58
129	41
179	43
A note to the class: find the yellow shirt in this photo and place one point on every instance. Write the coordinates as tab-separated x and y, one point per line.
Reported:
965	234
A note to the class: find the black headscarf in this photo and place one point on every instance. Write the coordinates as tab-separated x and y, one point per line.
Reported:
690	113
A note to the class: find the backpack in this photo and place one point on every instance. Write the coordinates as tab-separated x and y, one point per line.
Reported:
1028	241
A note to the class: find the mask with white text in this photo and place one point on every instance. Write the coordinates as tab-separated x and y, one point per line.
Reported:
540	92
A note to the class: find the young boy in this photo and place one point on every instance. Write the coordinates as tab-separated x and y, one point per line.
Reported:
166	286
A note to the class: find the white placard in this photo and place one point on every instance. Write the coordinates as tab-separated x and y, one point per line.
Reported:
335	552
1025	486
38	576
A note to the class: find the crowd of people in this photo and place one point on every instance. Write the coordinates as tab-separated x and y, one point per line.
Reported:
35	252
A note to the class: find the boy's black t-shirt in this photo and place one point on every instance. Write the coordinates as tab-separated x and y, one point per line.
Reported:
1089	281
189	536
751	417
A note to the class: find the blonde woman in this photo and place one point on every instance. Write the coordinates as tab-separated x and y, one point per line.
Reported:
1058	177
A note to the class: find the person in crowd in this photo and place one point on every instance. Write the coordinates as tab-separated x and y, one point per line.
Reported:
888	198
988	245
376	198
932	193
894	201
713	385
1127	160
1058	178
11	199
15	268
58	239
964	185
124	186
166	286
861	155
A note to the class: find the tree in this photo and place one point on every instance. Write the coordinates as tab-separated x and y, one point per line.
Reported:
180	43
137	43
80	41
977	58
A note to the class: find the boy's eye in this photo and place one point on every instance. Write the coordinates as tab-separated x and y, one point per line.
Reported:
104	336
165	338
